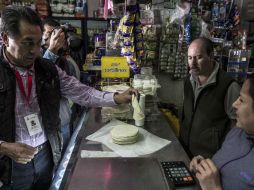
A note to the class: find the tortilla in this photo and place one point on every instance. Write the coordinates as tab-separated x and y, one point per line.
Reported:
124	134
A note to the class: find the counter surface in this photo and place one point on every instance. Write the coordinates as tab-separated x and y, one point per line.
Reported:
160	127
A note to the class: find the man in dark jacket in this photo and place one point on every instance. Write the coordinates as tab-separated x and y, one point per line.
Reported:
30	91
208	97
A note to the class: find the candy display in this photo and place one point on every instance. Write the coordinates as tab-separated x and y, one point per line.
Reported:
130	39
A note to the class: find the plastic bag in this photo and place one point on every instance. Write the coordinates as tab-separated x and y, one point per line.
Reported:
204	30
180	12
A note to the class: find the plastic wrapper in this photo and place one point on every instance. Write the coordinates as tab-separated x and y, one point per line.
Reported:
128	19
127	31
127	51
131	63
147	17
135	70
150	54
147	84
180	12
140	54
139	45
118	35
150	45
138	29
128	41
151	32
187	30
204	30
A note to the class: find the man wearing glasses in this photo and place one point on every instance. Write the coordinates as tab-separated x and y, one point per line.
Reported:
30	91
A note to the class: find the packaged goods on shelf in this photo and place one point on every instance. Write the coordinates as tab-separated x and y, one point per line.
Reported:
100	40
151	36
129	38
150	17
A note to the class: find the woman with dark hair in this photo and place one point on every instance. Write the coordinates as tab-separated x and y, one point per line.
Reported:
232	166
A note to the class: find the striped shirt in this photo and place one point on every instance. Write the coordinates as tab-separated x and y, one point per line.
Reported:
70	88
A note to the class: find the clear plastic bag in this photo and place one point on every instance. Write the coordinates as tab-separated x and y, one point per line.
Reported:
180	12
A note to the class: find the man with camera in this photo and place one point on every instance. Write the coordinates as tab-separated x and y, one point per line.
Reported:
55	48
30	91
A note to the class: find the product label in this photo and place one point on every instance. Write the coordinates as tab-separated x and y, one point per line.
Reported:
114	67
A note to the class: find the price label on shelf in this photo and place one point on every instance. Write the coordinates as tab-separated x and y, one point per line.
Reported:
114	67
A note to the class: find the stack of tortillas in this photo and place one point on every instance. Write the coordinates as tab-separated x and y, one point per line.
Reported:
124	134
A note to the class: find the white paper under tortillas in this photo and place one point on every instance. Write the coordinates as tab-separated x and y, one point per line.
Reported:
137	111
146	144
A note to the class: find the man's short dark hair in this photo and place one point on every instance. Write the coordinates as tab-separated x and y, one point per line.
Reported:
50	22
13	15
207	44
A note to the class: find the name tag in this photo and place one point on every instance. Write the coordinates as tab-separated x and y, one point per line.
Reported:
33	124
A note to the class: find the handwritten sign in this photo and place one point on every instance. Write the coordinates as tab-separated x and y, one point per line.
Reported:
114	67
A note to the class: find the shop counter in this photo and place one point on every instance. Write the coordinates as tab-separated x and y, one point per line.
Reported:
73	166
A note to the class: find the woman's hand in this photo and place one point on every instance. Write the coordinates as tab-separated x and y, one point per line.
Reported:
194	163
208	175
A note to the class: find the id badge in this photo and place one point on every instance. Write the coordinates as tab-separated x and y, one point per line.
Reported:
33	124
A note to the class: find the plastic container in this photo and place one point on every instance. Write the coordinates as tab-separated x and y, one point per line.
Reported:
146	71
147	84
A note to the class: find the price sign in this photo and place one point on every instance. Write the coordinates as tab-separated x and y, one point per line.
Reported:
114	67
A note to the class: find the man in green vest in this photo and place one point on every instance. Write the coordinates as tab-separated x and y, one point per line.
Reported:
208	96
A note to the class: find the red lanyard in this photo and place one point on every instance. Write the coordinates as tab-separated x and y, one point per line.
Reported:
21	86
